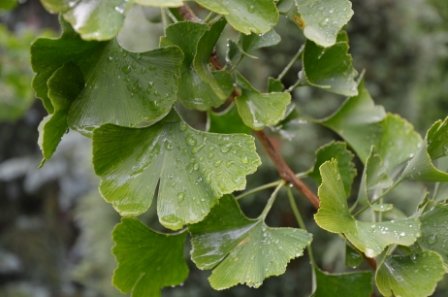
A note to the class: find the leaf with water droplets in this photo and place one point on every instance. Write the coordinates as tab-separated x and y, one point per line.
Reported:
370	238
201	88
147	261
161	3
414	275
193	168
354	284
435	231
143	92
338	151
242	250
330	69
246	16
322	20
259	110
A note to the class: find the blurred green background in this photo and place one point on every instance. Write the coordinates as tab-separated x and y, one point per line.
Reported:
55	228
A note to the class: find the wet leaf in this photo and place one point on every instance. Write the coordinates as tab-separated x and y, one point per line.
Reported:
193	168
435	231
323	19
147	261
413	275
370	238
330	68
259	110
242	250
201	88
246	16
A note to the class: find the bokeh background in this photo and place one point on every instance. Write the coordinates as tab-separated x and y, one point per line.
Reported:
54	227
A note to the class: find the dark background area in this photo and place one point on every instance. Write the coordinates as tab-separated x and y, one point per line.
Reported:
55	228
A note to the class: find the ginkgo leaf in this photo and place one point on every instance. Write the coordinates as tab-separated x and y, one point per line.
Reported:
435	231
201	88
330	68
193	168
323	19
370	238
247	44
435	146
147	261
413	275
354	284
98	19
143	93
338	151
259	110
246	16
242	250
363	124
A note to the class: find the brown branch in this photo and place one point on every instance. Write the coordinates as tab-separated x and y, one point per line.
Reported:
285	172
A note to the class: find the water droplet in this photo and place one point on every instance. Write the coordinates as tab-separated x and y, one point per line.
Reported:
126	69
191	141
168	145
244	160
181	196
432	239
402	234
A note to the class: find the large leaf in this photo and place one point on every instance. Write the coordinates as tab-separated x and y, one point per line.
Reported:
194	168
147	261
323	19
435	231
246	16
338	151
413	275
355	284
242	250
370	238
259	110
201	88
98	19
143	92
330	68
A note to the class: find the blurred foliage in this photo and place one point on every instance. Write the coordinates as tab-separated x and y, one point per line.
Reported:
46	248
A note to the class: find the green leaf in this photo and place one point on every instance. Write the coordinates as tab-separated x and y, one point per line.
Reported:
323	19
242	250
259	110
355	284
344	157
435	146
194	168
245	16
63	87
201	88
161	3
227	122
435	231
93	19
147	261
247	44
330	68
143	92
413	275
370	238
8	4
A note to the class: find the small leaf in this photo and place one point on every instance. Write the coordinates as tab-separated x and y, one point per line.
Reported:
338	151
413	275
242	250
330	68
323	19
258	16
247	44
227	122
147	261
194	168
355	284
259	110
201	88
370	238
435	231
435	146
